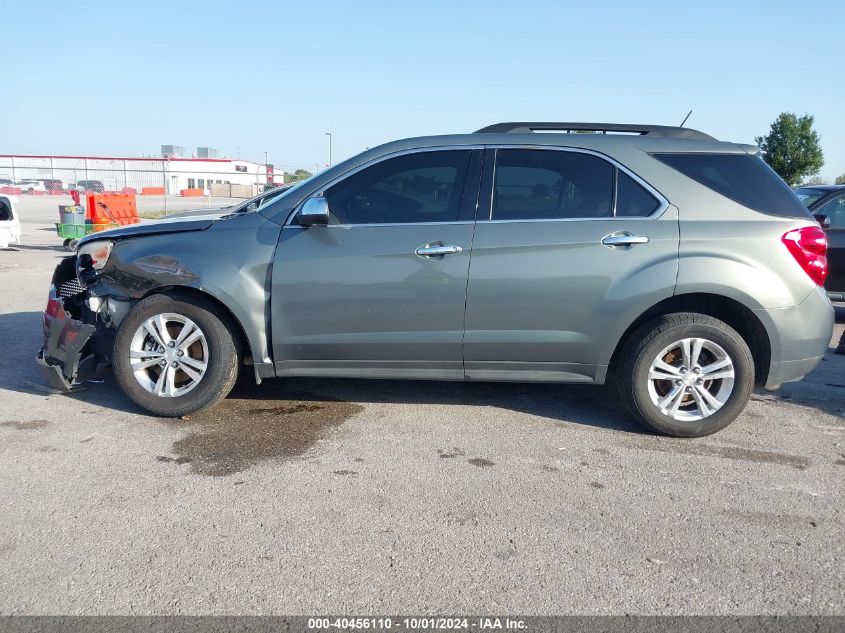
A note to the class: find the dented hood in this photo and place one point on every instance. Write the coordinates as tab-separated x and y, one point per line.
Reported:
169	225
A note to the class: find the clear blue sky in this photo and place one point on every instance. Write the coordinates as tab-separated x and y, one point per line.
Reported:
124	77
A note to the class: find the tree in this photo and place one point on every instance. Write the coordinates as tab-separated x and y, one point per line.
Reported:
815	180
299	174
840	180
792	147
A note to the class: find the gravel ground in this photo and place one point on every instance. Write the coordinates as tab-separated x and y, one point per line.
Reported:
318	496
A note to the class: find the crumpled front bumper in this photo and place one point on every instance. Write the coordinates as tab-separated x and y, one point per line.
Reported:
64	340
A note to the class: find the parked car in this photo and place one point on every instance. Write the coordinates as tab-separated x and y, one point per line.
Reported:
827	203
30	186
10	224
51	184
94	186
673	265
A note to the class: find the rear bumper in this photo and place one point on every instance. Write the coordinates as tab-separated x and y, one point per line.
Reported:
64	341
799	337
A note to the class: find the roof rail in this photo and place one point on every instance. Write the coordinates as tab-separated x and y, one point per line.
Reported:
603	128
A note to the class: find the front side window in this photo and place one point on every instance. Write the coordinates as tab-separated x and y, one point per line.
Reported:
549	185
834	210
419	187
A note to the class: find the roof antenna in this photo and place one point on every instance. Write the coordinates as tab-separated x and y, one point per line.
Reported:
685	119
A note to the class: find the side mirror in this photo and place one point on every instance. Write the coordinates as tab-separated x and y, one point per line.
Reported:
314	211
252	206
823	220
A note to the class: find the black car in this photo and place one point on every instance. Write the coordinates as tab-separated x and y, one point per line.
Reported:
829	201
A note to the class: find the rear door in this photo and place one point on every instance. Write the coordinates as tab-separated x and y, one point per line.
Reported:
381	290
569	248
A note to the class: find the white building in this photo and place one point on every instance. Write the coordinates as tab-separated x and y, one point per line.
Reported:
116	172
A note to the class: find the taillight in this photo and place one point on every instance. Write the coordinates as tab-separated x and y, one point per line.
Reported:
809	248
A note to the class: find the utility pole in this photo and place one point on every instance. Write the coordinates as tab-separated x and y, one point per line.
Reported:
329	134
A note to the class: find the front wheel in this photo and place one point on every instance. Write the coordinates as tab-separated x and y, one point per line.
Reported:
686	374
174	356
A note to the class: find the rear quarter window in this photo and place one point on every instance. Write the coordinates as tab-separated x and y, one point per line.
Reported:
743	178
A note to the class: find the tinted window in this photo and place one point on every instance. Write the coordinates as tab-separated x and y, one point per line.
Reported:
632	199
422	187
548	184
740	177
835	210
809	195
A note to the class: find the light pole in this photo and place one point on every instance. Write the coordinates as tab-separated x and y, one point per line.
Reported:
329	134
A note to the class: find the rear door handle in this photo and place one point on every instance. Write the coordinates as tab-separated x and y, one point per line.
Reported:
624	240
437	250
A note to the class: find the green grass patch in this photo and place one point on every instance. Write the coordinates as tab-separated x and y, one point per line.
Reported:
151	215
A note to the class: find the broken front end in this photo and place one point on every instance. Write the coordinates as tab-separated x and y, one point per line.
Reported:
79	327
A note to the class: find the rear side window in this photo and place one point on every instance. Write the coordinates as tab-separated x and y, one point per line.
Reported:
745	179
632	200
548	185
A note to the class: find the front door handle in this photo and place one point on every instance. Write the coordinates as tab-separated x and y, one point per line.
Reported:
437	250
623	240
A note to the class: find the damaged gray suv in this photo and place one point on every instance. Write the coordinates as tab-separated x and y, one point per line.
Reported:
676	266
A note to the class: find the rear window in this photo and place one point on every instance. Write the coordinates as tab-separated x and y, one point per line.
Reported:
745	179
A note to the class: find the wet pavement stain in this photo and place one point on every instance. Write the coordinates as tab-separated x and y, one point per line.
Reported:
239	433
25	425
691	447
454	452
596	484
173	460
481	462
346	472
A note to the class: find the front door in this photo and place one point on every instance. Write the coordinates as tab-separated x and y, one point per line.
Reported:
381	290
573	248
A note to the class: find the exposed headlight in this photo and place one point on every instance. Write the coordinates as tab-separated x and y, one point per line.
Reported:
93	255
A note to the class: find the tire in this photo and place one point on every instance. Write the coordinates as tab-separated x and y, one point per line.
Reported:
642	388
70	244
135	346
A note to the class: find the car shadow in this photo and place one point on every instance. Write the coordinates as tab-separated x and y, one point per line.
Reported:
28	247
588	405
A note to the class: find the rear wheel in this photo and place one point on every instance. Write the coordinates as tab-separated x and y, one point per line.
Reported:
174	356
686	374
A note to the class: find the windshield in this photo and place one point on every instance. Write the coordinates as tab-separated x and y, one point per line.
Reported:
266	198
808	195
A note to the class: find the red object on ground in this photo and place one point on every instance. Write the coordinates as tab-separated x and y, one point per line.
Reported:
119	208
75	195
190	193
152	191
